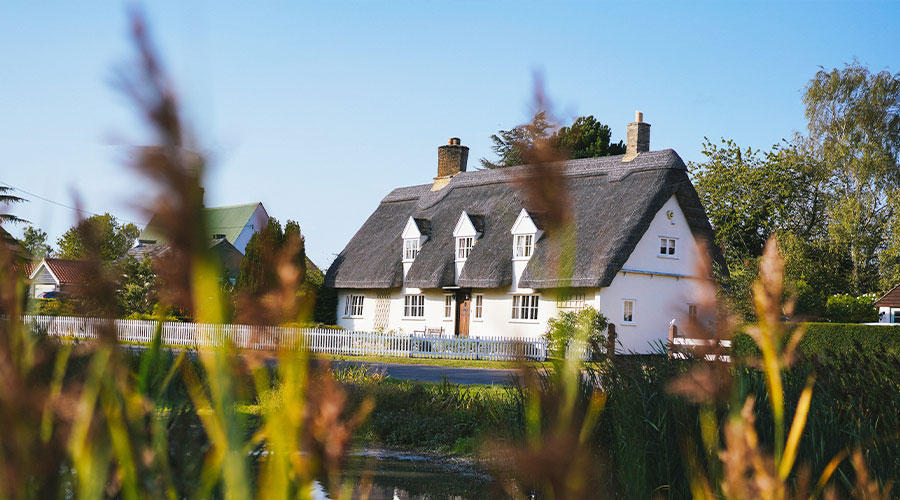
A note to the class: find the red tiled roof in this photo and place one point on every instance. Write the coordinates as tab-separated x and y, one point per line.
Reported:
890	299
68	270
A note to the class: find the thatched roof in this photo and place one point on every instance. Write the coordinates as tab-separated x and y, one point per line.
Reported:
613	204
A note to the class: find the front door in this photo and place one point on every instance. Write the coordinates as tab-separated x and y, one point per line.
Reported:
463	300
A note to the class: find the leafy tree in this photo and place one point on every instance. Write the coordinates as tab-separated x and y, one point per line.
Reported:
585	138
854	121
568	325
35	242
115	239
137	293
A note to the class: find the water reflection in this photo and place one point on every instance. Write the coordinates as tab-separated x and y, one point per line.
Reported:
413	477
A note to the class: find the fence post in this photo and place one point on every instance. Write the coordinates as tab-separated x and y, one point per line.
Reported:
611	341
673	332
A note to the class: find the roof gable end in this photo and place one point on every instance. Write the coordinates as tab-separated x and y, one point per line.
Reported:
465	227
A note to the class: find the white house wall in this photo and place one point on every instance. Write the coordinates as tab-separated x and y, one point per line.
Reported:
257	221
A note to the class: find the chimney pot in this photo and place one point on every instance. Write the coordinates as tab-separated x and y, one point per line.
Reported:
454	141
637	137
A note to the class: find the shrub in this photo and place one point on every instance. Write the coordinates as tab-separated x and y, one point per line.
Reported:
845	308
835	338
562	329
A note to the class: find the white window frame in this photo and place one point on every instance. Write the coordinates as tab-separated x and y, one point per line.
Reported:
411	248
629	307
464	245
353	305
523	246
574	301
478	307
670	244
525	308
414	306
448	307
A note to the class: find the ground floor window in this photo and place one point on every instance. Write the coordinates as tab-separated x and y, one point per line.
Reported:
571	301
448	307
414	306
628	311
479	300
525	307
354	305
896	318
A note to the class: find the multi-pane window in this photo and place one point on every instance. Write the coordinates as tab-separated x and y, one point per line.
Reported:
448	306
410	248
464	247
353	306
414	306
692	312
667	247
479	301
628	311
525	307
574	301
524	245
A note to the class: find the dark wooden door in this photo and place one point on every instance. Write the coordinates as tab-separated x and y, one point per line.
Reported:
463	302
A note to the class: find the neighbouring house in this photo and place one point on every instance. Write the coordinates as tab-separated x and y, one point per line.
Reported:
889	306
56	275
465	255
229	256
235	224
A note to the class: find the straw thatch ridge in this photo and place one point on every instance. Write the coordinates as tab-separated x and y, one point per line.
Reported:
613	204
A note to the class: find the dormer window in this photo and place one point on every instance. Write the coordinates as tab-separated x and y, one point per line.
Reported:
410	249
464	247
525	232
414	235
468	229
524	245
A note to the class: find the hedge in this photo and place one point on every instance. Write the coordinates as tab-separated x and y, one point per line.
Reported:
835	338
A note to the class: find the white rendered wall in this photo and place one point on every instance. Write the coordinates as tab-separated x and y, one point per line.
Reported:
257	221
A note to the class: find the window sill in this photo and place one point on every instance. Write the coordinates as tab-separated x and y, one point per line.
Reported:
670	257
526	321
521	259
448	320
628	323
413	318
352	317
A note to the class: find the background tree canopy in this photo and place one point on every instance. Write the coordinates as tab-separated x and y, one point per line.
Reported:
830	197
585	138
35	242
113	238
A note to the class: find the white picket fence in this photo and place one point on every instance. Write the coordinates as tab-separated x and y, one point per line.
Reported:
321	340
681	347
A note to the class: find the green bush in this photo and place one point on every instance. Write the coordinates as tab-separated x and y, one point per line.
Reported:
845	308
562	329
834	338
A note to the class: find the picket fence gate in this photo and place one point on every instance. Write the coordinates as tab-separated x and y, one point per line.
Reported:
319	340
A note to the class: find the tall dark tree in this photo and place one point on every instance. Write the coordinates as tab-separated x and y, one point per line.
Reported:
114	239
259	272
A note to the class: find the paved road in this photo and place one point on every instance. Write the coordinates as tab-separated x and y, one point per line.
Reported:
429	373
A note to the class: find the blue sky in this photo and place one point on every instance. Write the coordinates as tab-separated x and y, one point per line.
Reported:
319	110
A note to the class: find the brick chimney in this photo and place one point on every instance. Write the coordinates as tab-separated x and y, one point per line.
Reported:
452	158
637	137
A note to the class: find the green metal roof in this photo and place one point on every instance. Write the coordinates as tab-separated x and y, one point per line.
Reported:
229	221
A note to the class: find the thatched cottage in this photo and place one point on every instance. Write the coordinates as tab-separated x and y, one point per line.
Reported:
466	256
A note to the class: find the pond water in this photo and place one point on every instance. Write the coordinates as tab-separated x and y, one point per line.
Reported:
401	476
